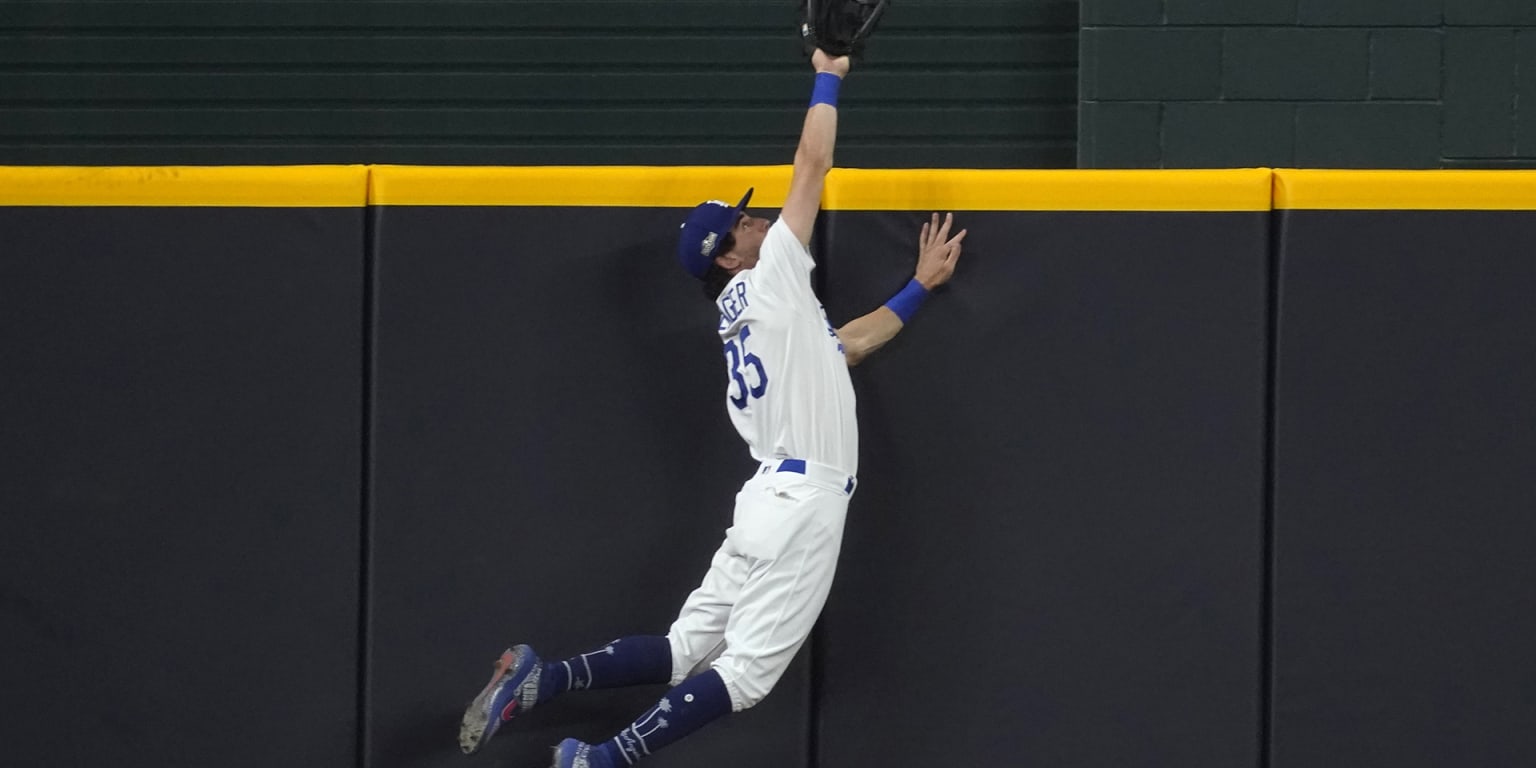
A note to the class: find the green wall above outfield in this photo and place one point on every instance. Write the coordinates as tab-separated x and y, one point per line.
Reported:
1308	83
947	83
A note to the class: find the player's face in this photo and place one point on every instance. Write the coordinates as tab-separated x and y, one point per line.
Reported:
749	233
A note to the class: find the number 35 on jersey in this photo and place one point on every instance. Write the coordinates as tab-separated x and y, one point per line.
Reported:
749	379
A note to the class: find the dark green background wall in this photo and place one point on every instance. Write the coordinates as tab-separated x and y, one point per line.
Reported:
949	83
1308	83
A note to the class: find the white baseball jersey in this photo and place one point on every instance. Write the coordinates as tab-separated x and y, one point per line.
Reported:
788	390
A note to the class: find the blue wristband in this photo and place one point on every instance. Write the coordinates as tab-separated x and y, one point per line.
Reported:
906	302
825	91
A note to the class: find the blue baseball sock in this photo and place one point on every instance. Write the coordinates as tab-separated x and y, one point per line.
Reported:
627	661
690	706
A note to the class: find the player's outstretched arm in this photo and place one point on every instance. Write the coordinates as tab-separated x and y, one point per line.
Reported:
813	158
937	253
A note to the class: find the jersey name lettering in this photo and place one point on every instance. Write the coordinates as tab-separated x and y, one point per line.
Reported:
732	304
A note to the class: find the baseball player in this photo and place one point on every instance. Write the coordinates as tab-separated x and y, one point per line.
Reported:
789	396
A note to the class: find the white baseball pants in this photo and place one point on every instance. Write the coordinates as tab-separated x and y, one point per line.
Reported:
766	584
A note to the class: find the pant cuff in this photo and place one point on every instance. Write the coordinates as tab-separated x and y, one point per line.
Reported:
739	701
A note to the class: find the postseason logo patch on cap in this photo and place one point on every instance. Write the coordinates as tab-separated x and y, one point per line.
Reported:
707	247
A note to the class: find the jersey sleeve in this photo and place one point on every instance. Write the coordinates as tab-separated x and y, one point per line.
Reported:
784	265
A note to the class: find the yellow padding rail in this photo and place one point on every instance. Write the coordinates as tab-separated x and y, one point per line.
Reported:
578	186
927	190
847	189
1405	190
298	186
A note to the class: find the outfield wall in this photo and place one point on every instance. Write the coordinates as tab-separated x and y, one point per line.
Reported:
1201	468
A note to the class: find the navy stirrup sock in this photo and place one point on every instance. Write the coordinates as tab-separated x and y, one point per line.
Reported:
641	660
690	706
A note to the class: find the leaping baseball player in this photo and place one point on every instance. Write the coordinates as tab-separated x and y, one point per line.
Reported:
789	395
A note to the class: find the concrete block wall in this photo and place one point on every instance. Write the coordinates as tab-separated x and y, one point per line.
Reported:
563	82
1307	83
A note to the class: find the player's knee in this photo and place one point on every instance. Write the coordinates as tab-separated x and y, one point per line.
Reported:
746	690
744	697
681	656
688	659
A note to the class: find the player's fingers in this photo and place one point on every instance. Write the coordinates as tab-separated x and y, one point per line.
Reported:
949	218
922	237
956	245
959	237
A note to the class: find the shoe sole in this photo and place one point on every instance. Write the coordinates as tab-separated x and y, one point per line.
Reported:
574	748
479	722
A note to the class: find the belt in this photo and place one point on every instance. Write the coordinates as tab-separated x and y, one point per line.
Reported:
831	477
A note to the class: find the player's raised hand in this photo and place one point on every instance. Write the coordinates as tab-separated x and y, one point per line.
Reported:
824	62
937	252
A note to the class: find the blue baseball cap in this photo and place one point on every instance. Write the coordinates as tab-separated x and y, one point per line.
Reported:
699	240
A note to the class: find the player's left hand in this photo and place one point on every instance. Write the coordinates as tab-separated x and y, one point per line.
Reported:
826	62
937	252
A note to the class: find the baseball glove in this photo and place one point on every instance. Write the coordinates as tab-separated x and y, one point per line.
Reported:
839	27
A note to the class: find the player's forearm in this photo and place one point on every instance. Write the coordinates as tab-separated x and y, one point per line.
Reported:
813	157
861	336
817	139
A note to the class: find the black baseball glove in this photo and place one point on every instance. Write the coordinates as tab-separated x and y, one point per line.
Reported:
839	27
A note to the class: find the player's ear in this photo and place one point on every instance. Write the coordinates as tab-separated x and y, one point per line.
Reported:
729	262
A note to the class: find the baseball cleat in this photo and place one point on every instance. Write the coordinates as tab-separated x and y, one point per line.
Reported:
513	689
577	754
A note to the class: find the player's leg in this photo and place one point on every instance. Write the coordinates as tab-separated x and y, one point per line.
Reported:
697	636
787	542
689	706
696	639
635	660
783	598
521	680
